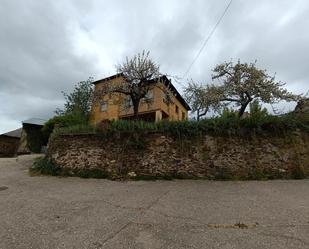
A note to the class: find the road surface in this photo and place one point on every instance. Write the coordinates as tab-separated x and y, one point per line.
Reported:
54	212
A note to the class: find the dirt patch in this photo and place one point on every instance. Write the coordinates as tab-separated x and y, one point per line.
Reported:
3	188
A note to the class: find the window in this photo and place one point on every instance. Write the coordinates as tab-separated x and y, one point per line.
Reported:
183	116
128	102
104	106
149	95
177	109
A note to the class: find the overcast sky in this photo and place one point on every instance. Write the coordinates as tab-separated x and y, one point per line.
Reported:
47	46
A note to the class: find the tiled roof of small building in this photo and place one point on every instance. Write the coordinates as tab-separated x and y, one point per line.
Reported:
35	121
14	133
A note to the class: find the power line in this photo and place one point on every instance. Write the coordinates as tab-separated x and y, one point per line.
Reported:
208	38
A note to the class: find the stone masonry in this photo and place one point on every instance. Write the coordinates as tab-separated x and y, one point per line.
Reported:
160	155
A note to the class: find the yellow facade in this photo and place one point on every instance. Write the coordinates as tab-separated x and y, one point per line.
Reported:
115	106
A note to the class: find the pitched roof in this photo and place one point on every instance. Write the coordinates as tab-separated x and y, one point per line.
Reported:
164	79
35	121
108	78
14	133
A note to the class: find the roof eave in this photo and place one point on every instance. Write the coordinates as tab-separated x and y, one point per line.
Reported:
108	78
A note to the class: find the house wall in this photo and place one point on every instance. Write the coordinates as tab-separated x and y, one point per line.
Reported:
8	146
144	106
208	156
23	147
116	110
170	109
113	104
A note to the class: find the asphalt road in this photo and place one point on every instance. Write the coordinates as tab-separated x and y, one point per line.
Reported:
52	212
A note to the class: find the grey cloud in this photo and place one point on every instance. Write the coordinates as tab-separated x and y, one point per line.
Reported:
36	49
37	59
273	33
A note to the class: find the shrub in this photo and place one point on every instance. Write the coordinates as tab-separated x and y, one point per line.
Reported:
76	129
62	122
226	124
229	113
298	172
256	110
43	166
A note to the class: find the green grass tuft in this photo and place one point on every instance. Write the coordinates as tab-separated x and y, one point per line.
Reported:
43	166
298	172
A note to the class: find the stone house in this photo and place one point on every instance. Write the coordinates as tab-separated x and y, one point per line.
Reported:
32	139
9	143
154	108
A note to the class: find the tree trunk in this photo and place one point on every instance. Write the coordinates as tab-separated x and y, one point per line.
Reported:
135	108
243	108
199	114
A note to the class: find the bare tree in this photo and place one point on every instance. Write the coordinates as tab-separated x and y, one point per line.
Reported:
139	74
243	82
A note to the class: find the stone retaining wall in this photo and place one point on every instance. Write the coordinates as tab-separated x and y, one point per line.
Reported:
160	155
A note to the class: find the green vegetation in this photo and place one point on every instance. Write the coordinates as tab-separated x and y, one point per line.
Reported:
79	101
76	129
76	110
43	166
64	121
240	85
298	172
227	124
